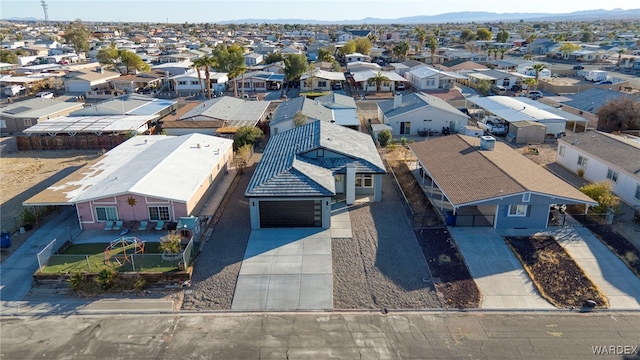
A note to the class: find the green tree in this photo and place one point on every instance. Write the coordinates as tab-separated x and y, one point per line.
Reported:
299	119
243	157
77	35
348	48
602	192
273	58
587	37
384	137
432	42
502	51
619	114
484	87
229	59
421	36
324	55
379	79
108	56
467	35
537	68
363	45
568	48
620	52
401	50
335	66
502	36
484	34
198	64
8	56
529	82
132	62
294	66
246	135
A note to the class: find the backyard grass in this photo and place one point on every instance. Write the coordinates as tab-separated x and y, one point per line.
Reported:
90	258
554	273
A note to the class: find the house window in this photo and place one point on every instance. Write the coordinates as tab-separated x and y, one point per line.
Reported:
561	150
364	181
519	210
582	161
182	82
159	213
431	82
612	175
194	82
106	213
322	83
526	197
320	153
27	122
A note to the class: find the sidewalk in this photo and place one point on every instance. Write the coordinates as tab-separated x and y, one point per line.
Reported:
16	271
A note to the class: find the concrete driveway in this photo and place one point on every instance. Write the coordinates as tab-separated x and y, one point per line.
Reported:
502	280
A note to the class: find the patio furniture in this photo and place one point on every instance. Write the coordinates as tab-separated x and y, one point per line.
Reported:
118	225
143	225
159	225
108	225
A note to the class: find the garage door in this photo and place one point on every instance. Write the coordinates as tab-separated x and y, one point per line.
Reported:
301	213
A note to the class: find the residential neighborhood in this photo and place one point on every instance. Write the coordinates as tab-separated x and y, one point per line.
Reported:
490	167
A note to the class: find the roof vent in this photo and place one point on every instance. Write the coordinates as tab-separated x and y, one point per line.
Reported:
487	143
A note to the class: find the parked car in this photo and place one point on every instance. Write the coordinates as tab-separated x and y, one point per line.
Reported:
605	82
400	86
578	67
499	90
45	95
516	88
535	94
337	86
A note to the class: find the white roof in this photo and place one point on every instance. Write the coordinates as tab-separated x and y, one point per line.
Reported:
365	75
514	109
426	71
159	166
91	124
328	75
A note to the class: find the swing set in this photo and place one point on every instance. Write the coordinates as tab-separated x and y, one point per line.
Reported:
121	250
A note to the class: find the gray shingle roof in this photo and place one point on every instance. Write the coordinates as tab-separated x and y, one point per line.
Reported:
591	100
613	149
337	101
235	112
310	108
415	101
286	169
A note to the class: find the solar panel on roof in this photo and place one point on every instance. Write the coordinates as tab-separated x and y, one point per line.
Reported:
17	110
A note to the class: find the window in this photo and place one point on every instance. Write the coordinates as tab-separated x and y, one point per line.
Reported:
405	127
582	161
159	213
322	84
518	210
431	82
27	122
182	82
364	180
612	175
526	197
193	82
561	150
106	213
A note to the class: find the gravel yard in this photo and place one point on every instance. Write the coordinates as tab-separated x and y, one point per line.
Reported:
382	266
218	265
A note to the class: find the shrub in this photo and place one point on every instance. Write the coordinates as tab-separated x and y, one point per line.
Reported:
580	172
603	194
107	278
404	141
384	137
170	243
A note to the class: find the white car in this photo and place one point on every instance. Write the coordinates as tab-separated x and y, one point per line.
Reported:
45	95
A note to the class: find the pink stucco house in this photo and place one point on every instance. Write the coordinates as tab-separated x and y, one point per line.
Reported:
149	178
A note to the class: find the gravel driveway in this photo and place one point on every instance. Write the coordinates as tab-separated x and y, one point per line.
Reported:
217	268
382	266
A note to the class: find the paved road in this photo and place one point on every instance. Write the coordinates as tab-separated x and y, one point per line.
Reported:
323	336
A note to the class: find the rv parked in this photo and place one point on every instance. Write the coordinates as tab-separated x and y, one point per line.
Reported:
596	75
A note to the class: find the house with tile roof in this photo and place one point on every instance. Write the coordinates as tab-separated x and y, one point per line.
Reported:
303	170
484	182
412	113
282	119
148	177
604	157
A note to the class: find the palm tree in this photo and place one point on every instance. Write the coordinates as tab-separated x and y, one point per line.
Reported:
527	56
528	82
502	51
537	68
421	36
402	49
378	80
620	52
208	61
198	64
433	46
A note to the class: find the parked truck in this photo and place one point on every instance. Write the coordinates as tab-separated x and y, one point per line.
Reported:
596	75
14	90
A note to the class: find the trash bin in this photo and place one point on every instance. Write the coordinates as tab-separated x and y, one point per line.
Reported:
5	240
451	219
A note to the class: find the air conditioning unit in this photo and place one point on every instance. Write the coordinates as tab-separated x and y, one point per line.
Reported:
487	143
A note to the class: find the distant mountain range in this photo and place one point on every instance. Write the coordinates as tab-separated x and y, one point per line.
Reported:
462	17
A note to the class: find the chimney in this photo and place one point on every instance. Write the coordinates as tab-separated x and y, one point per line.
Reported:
397	100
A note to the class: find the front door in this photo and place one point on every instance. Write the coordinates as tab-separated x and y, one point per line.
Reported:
339	178
405	127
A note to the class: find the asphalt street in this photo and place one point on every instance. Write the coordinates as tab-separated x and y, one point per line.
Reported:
403	335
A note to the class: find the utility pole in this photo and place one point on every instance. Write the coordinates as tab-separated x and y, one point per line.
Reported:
45	7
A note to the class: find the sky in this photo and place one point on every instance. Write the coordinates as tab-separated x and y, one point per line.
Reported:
178	11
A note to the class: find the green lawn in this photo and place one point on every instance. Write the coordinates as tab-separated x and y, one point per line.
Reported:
90	258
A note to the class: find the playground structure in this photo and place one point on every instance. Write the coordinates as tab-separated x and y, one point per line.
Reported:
122	249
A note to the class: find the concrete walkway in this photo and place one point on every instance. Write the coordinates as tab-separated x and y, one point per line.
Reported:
605	269
17	270
502	280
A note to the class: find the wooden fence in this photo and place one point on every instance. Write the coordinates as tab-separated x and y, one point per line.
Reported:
77	142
